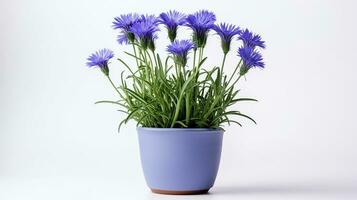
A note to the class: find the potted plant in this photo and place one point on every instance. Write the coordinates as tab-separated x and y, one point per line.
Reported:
179	105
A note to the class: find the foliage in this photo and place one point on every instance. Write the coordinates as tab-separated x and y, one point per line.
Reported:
173	92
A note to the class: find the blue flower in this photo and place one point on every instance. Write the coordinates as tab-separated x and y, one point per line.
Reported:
226	32
179	49
100	59
150	19
251	58
172	20
201	22
251	40
124	24
122	38
145	30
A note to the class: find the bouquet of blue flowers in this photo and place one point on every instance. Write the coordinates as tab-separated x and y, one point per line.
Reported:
172	92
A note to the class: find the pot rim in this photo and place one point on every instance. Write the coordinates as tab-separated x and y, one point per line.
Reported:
179	129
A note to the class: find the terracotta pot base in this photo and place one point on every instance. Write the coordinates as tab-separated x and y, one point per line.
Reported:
175	192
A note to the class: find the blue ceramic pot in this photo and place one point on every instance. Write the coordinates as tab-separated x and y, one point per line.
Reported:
180	160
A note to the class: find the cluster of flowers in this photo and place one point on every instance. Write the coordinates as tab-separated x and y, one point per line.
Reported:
143	29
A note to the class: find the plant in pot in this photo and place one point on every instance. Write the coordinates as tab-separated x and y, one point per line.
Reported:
179	105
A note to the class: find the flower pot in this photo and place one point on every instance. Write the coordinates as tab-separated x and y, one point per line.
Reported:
180	160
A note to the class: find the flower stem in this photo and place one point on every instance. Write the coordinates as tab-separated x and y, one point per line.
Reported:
147	65
237	79
136	58
188	108
151	63
224	60
153	53
235	70
116	89
235	82
200	55
194	58
221	74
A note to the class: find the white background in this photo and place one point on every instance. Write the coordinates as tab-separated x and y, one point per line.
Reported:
56	144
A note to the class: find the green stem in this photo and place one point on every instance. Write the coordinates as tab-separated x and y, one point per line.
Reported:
200	52
177	71
184	72
116	89
235	70
178	105
153	53
194	58
224	60
141	55
146	67
222	67
136	59
181	69
193	98
235	82
187	109
151	63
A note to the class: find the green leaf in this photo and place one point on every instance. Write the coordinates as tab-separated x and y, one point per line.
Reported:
134	56
111	102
